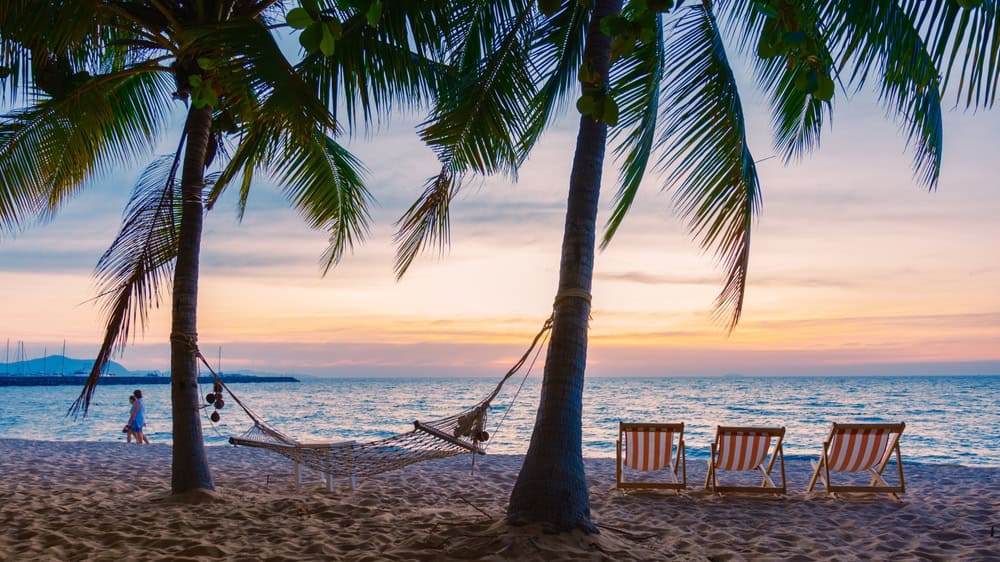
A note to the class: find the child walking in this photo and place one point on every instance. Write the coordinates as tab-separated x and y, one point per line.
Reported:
127	430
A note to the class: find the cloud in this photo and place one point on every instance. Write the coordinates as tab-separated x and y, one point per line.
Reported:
38	260
757	281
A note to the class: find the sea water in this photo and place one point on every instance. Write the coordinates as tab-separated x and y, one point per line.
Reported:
949	420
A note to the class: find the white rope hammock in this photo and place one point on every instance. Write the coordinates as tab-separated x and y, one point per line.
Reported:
461	433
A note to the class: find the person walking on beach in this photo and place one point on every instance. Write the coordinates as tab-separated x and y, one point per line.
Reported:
137	418
128	426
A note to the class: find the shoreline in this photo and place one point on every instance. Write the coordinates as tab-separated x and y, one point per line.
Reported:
695	455
105	501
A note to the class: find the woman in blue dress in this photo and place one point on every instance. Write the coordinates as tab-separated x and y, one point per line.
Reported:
137	419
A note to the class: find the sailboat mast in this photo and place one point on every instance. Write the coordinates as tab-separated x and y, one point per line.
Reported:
62	368
6	359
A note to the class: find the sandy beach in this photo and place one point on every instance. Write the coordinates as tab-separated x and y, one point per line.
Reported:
108	501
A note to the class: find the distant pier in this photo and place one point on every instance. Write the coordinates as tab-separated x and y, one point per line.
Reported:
55	380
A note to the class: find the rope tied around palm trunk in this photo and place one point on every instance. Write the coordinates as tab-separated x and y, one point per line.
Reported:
572	292
188	340
569	293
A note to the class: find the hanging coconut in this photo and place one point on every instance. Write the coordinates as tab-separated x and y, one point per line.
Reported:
219	404
210	398
483	436
215	416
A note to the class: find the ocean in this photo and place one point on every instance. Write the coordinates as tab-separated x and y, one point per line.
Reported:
949	420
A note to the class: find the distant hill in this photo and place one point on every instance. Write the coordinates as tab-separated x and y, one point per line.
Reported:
59	365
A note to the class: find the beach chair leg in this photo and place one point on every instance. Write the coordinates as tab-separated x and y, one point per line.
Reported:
877	479
710	477
812	481
350	464
767	483
684	467
784	477
328	474
618	460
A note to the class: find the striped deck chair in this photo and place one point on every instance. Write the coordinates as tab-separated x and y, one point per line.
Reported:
746	448
650	447
860	447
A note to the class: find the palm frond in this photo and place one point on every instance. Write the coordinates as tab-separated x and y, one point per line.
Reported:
393	65
881	41
325	183
965	43
370	76
426	222
430	27
321	178
31	31
796	116
475	127
637	91
133	272
253	70
258	140
280	114
705	149
22	182
51	149
556	55
329	191
477	25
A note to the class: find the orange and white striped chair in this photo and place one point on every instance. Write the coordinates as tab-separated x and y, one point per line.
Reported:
860	447
648	447
747	448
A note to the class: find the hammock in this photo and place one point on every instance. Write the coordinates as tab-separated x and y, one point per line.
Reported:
461	433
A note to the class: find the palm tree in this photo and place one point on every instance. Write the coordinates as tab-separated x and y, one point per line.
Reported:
97	80
671	91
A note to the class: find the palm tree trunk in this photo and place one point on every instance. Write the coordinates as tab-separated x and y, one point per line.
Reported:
190	465
551	488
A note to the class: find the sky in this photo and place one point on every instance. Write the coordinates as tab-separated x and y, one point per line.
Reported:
855	269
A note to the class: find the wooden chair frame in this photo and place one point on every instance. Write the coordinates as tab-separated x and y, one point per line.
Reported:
680	459
767	485
821	471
